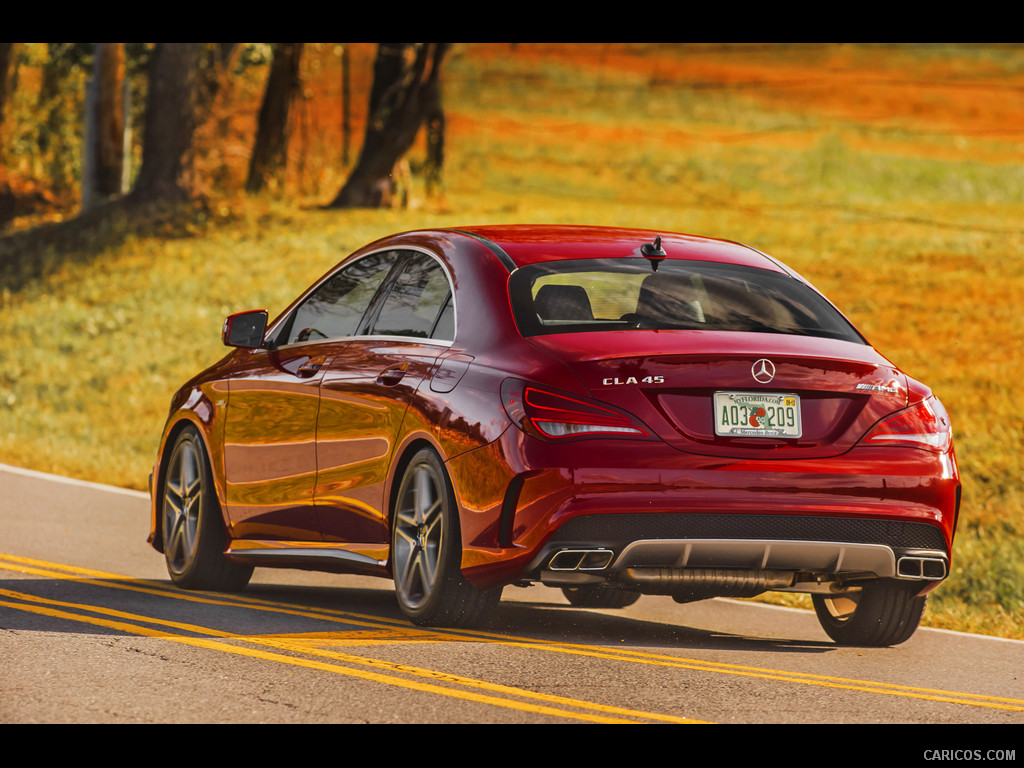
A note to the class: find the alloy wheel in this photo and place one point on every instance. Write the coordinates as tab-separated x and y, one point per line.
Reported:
183	502
420	533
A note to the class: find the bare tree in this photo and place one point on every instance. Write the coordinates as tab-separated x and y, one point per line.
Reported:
170	122
109	143
269	154
406	83
435	121
6	65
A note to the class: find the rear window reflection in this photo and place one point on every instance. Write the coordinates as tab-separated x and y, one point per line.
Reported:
618	294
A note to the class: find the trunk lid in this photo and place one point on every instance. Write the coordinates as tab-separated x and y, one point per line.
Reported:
812	397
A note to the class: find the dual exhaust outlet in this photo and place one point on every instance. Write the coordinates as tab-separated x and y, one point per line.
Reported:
927	568
581	560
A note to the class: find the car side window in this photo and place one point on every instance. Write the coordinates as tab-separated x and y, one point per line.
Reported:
419	302
334	310
444	328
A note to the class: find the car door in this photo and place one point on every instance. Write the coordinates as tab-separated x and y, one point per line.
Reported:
365	394
270	429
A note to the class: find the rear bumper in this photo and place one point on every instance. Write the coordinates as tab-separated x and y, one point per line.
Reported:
875	547
671	566
878	512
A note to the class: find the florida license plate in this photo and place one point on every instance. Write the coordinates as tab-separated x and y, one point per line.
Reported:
757	414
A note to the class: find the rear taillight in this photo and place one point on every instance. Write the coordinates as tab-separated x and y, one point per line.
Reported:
554	416
925	425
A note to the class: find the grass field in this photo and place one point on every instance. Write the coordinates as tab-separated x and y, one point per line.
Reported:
890	176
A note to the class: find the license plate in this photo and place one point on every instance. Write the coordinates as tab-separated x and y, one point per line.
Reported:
757	414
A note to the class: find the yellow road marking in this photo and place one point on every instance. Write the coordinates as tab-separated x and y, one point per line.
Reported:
609	714
640	657
312	664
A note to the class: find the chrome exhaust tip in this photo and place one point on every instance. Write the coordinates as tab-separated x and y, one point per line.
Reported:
927	568
580	560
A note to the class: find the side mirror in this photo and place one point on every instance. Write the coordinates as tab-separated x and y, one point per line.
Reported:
245	329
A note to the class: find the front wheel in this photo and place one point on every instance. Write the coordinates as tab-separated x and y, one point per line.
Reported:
193	530
878	614
426	550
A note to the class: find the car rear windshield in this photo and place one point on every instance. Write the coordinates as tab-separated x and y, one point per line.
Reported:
623	294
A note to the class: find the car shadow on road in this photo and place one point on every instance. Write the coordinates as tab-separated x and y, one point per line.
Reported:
552	622
561	623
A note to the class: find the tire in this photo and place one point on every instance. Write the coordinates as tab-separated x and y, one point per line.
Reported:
599	596
193	529
426	550
879	614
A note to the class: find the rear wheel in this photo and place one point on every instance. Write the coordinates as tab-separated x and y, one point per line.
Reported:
877	614
426	550
193	530
599	596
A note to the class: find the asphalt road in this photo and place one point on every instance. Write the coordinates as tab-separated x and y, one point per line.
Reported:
91	631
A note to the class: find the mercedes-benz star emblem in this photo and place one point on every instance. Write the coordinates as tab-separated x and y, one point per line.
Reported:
763	371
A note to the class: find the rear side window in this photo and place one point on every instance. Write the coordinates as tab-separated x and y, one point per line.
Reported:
418	303
619	294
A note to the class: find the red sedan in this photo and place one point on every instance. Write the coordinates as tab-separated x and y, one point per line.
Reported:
613	412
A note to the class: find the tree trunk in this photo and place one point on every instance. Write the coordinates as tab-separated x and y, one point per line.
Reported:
6	62
269	154
406	81
170	122
435	147
109	118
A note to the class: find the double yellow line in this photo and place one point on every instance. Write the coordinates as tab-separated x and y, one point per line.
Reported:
414	677
401	675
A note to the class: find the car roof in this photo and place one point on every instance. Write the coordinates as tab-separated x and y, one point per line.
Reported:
527	244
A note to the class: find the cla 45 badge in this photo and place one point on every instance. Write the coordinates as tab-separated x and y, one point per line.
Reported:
615	381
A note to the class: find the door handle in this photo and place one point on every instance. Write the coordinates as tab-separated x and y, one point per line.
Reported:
391	376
